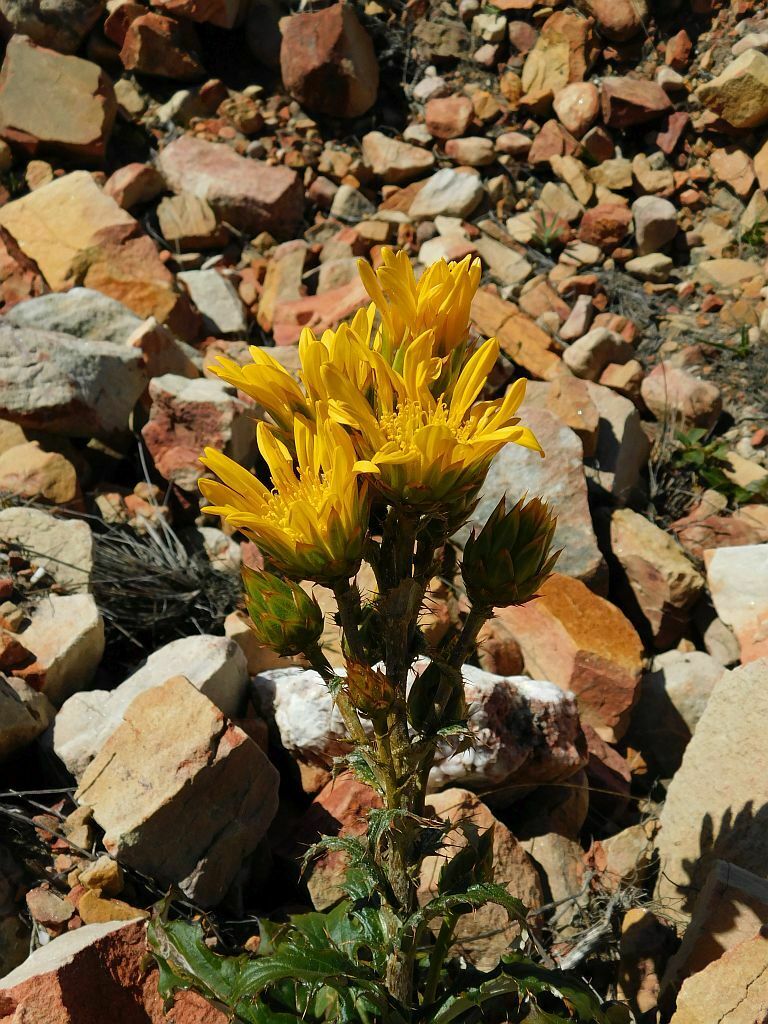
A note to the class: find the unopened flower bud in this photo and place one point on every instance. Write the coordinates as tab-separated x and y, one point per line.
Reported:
369	689
283	616
507	562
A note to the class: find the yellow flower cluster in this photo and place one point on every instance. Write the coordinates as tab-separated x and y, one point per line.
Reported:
390	408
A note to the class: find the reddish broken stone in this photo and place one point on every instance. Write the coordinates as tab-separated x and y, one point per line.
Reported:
631	101
317	311
134	184
162	47
328	62
448	117
605	225
249	194
583	643
669	137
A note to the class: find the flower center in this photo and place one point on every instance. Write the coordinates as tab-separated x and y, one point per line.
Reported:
310	490
400	426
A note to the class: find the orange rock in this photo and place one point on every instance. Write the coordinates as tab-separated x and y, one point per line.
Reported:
582	643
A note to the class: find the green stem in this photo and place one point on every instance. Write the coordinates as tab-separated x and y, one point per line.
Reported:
467	640
348	602
439	953
320	664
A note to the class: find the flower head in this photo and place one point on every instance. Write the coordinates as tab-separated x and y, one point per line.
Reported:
312	525
427	451
511	557
439	301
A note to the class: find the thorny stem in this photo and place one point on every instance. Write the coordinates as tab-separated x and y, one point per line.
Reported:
438	955
474	622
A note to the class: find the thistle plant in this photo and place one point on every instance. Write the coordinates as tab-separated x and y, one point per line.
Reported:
377	453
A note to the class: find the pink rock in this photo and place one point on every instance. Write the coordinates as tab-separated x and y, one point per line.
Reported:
522	36
630	101
472	151
668	138
553	140
578	322
159	46
449	117
672	393
339	809
188	414
249	194
605	225
317	311
678	52
513	144
134	184
618	20
328	62
577	107
72	978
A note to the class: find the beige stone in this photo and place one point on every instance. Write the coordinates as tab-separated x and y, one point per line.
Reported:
57	224
484	935
730	909
24	715
177	767
716	803
66	635
63	547
663	579
740	93
732	990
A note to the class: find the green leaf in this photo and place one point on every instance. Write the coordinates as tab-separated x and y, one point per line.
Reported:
527	980
472	897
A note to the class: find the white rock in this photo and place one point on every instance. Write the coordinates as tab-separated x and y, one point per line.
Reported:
655	223
673	697
525	732
63	547
215	665
452	193
297	702
24	715
589	356
738	582
64	385
217	299
66	636
622	445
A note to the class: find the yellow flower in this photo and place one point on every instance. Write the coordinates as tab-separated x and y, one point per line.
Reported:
272	386
424	450
439	301
269	384
312	525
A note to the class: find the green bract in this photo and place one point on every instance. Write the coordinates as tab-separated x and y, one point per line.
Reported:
284	617
507	562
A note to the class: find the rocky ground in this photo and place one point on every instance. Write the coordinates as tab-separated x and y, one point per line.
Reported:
182	180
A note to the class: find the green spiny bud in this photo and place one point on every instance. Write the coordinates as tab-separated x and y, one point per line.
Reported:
507	562
283	616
